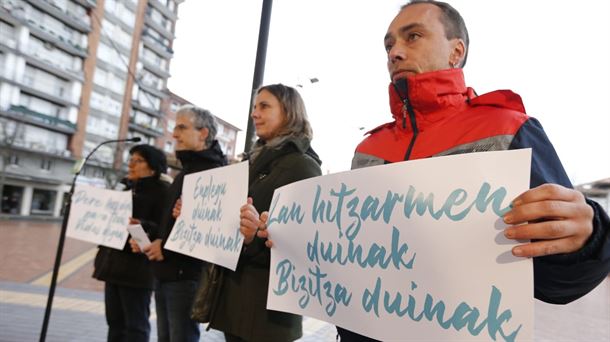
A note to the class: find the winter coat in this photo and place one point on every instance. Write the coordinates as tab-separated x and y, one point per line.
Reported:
243	297
123	267
435	114
176	266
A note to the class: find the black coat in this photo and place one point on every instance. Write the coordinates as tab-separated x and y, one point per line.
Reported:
123	267
176	266
241	308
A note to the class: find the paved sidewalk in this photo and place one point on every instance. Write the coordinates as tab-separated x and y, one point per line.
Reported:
78	315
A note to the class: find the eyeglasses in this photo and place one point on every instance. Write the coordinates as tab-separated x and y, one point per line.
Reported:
136	161
182	127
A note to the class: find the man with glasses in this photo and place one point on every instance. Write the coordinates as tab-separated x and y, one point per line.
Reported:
177	275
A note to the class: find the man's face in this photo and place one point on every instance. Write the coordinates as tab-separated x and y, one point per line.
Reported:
416	43
187	136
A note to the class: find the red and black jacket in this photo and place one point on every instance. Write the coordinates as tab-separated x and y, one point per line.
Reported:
435	114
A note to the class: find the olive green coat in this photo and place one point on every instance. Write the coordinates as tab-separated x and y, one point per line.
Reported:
243	297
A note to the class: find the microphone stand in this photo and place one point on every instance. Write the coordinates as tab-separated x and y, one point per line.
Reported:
62	237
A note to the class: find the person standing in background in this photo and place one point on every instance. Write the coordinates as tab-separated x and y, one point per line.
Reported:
127	275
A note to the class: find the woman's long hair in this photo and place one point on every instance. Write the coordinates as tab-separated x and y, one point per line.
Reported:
296	123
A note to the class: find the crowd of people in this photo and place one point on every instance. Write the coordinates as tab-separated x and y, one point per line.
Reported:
434	114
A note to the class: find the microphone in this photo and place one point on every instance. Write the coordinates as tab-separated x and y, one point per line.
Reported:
134	139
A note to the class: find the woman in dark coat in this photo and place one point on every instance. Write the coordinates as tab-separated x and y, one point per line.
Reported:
128	275
281	156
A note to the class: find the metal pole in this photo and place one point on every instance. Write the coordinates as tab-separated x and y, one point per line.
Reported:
259	67
60	249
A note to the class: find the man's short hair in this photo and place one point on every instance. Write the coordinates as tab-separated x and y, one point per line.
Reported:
452	21
202	118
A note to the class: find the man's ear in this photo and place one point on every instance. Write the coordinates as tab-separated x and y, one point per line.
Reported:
458	52
203	133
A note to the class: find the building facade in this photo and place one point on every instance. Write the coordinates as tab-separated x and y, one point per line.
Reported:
73	74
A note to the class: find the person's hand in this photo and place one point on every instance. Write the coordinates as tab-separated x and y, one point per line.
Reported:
263	233
154	251
134	221
134	246
249	221
177	208
557	216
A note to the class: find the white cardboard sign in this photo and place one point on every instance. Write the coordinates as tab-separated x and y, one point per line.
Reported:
208	225
99	216
406	251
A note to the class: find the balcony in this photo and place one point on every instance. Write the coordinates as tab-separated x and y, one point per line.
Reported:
27	115
158	27
42	61
163	9
148	110
61	42
145	128
157	45
76	21
87	3
154	68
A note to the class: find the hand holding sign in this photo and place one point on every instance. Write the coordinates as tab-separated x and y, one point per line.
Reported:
558	217
263	233
249	221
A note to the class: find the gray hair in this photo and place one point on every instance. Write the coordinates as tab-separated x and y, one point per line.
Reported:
201	118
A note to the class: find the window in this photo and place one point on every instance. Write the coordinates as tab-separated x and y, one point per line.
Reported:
117	34
109	80
44	81
151	80
169	146
154	59
170	125
11	199
149	100
174	106
119	10
46	164
42	106
40	139
43	202
102	127
105	104
111	56
13	160
7	34
54	56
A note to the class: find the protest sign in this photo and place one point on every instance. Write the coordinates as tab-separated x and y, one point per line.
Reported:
208	225
406	251
99	216
139	235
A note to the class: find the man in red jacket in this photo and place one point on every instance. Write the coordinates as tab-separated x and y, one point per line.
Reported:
435	114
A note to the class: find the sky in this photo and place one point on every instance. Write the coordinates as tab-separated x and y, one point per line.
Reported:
555	54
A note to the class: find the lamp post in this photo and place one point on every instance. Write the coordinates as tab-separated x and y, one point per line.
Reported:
259	67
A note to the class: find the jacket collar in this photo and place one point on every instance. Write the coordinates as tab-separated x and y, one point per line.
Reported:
191	160
432	95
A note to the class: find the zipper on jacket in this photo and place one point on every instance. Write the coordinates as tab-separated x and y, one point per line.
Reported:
402	89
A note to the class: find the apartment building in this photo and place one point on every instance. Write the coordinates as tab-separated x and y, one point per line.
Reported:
75	73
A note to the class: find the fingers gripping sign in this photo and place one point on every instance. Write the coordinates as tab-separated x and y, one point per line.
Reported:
249	221
557	218
263	233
